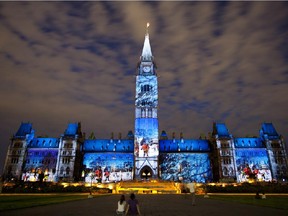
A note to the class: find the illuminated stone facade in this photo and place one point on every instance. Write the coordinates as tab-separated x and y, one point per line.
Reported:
145	154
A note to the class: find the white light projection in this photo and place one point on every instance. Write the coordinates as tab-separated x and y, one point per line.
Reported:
146	122
146	137
146	91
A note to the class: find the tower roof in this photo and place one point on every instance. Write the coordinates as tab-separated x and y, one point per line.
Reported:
72	129
146	52
221	130
24	129
269	130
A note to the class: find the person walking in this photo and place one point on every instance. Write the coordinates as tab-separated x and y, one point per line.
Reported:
121	206
191	187
132	206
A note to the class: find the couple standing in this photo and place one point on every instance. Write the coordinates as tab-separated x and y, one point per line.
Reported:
131	207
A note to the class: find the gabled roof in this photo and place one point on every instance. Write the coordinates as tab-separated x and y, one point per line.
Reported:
24	129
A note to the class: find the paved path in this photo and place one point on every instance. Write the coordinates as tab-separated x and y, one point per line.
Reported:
150	205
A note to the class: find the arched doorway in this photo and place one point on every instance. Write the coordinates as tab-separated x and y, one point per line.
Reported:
146	172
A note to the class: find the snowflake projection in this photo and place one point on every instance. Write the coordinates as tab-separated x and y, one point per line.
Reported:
185	167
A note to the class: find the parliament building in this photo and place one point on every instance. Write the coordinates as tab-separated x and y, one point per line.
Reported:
146	153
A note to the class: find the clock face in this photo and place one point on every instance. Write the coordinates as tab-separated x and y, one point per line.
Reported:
146	69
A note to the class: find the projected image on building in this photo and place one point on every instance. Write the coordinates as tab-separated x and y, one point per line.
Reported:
40	164
146	91
185	167
252	164
107	167
146	137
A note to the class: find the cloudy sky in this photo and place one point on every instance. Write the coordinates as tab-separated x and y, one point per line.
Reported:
67	62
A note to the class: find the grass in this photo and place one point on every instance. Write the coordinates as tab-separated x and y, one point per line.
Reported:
8	202
280	202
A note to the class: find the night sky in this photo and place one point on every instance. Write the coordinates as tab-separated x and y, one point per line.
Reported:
67	62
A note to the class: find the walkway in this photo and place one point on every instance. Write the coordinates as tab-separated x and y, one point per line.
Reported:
151	205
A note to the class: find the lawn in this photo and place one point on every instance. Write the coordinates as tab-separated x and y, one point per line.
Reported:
274	201
24	201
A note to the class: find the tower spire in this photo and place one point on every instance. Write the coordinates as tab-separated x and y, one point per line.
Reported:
146	52
147	28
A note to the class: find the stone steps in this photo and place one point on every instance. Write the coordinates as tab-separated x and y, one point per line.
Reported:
148	187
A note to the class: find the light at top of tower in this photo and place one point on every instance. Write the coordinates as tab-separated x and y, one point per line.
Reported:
147	26
146	52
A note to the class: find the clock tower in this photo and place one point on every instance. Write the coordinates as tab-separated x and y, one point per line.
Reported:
146	143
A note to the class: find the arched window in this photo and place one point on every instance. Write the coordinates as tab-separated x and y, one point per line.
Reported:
225	171
146	88
231	171
61	170
67	170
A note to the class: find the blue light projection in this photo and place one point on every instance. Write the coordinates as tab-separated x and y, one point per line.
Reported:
146	91
43	143
107	167
252	164
146	137
185	167
40	161
184	145
71	129
268	131
105	145
24	129
248	143
222	130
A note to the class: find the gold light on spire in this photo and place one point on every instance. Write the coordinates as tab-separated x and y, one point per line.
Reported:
147	26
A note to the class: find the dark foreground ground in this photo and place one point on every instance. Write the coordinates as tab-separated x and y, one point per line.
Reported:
156	205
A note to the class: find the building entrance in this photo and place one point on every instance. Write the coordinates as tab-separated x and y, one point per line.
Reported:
146	172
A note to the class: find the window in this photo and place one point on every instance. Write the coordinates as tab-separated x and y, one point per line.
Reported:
65	160
150	113
68	145
226	160
18	145
144	103
225	171
61	170
14	160
67	170
146	88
